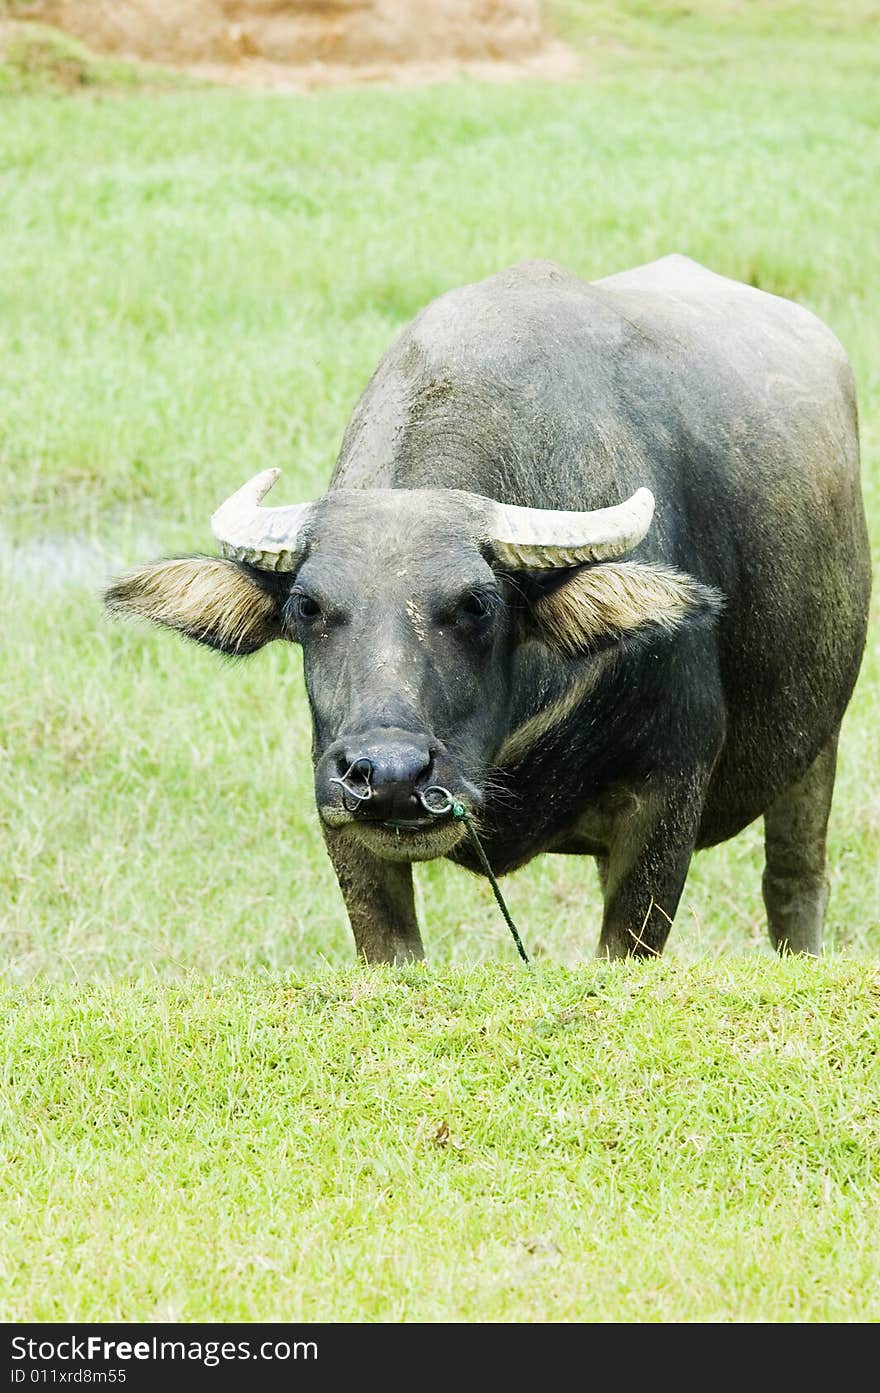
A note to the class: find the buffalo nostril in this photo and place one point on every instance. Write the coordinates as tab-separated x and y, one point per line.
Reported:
354	777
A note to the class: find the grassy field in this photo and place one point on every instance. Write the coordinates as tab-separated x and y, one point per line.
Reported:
207	1111
673	1144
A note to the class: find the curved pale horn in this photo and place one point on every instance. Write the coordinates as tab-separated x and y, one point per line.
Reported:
541	538
265	537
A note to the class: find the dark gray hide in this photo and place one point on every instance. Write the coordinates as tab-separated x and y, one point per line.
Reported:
632	710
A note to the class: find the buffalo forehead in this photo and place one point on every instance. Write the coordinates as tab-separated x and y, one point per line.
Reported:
394	539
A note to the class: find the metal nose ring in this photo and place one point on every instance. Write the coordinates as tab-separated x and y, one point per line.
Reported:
436	800
362	791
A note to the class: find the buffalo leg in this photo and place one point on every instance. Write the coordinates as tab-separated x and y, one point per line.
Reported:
644	873
378	895
795	882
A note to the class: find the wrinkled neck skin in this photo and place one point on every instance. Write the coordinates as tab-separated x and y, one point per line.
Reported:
408	644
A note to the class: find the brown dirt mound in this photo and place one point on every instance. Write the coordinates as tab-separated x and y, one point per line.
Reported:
314	42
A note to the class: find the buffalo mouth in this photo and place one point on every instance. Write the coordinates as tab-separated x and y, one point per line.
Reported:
422	839
412	824
416	835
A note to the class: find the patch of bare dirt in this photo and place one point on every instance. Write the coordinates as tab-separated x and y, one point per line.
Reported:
301	44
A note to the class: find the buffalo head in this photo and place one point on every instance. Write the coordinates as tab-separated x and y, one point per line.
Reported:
409	606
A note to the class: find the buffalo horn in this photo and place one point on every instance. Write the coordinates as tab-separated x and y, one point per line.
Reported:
539	538
265	537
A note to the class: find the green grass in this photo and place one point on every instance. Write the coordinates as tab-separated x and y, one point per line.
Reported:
194	285
639	1144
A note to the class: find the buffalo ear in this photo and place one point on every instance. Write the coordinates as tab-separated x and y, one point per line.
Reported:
227	605
601	605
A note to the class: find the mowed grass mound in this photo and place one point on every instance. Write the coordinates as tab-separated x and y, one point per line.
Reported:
197	284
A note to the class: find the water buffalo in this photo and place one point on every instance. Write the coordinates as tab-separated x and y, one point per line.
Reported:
593	558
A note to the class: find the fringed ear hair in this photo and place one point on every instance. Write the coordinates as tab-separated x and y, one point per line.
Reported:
606	603
216	602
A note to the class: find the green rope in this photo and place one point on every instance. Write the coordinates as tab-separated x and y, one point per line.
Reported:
460	814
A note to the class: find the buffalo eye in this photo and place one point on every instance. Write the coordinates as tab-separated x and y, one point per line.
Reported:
303	607
477	606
